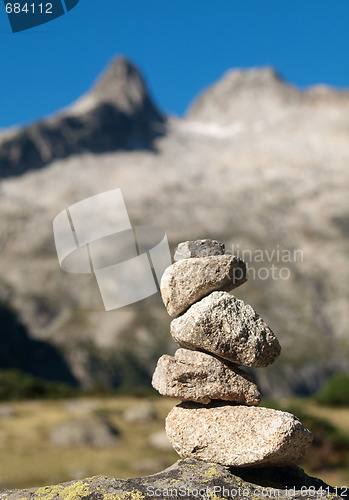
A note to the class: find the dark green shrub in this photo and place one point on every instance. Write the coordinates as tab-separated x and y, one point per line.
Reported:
17	385
335	392
330	446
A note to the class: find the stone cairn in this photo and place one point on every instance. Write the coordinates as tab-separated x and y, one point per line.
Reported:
219	419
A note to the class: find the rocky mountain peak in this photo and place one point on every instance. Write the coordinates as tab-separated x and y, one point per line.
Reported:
253	78
243	94
117	113
121	84
260	94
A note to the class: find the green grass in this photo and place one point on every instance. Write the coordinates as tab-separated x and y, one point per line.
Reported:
335	392
328	457
29	459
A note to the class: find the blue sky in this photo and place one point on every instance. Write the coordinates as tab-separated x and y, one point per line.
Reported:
180	46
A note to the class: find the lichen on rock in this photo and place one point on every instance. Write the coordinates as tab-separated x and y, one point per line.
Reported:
188	479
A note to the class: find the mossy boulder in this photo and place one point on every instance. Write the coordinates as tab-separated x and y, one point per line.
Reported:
188	479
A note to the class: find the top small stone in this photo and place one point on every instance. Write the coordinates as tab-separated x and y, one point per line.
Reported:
198	248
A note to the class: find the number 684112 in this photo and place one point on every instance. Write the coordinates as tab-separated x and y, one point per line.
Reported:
29	8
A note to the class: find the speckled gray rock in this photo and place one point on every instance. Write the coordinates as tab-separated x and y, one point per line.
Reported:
229	328
188	479
189	280
200	377
239	436
198	248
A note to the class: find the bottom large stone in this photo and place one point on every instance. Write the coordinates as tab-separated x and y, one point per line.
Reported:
238	436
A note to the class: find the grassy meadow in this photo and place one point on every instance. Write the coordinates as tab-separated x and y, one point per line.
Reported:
29	458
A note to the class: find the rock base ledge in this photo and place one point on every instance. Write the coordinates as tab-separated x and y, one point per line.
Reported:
189	479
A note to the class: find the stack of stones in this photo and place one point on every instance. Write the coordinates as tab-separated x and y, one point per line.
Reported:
219	419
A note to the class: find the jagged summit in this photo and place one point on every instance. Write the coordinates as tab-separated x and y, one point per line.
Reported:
243	94
117	113
254	94
120	70
262	80
257	77
121	84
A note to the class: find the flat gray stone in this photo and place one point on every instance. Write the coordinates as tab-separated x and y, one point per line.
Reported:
238	436
227	327
189	280
200	377
198	248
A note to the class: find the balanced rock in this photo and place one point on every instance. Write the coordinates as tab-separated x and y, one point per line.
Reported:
227	327
239	436
200	377
198	248
189	280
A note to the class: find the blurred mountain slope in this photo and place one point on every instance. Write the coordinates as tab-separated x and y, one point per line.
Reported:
256	163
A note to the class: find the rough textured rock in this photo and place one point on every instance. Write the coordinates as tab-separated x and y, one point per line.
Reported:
200	377
229	328
239	436
188	479
189	280
198	248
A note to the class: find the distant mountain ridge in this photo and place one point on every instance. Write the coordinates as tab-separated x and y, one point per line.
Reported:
118	113
230	97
